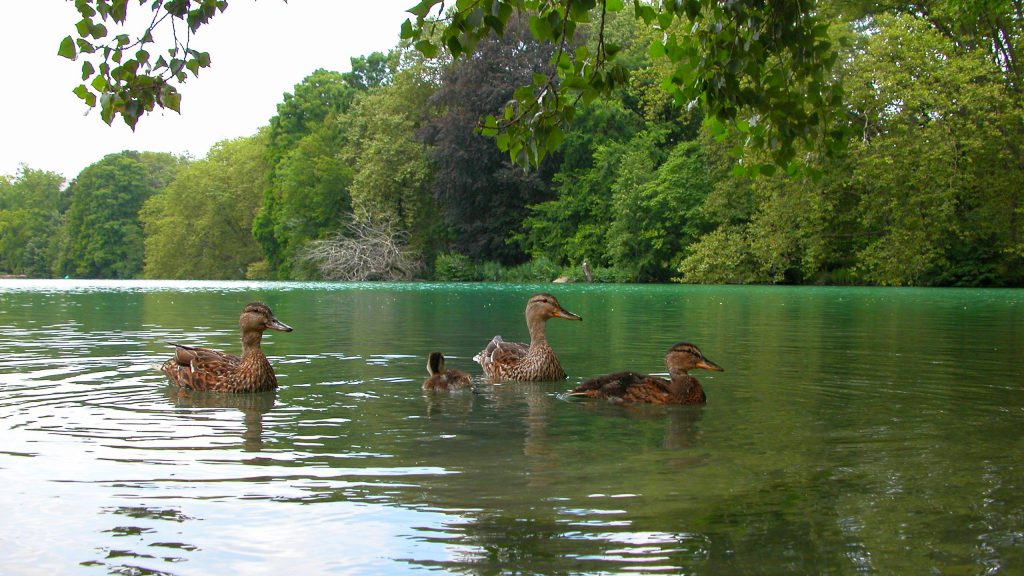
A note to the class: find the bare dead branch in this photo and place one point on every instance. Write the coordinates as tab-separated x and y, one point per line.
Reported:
364	251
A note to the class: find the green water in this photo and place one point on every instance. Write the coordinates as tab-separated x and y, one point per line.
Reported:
853	431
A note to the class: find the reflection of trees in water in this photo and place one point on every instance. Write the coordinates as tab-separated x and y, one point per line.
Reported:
531	465
493	542
253	406
126	560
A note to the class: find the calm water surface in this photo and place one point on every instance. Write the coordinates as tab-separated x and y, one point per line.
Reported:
853	431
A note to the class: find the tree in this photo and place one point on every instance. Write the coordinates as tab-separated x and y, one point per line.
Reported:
392	169
936	166
102	236
482	195
31	205
656	208
307	187
573	227
200	225
371	71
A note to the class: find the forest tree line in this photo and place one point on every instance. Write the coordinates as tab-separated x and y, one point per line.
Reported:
385	163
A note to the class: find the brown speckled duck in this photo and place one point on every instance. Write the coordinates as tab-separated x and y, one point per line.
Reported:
205	369
630	387
503	361
441	379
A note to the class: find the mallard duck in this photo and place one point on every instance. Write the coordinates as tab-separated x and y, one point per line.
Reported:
205	369
503	361
441	379
641	388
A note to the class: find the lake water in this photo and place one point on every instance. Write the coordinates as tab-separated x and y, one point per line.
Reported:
873	431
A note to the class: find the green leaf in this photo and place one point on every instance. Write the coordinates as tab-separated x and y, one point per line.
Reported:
427	48
98	31
502	141
407	30
67	48
614	5
422	9
454	46
657	49
169	98
644	12
555	138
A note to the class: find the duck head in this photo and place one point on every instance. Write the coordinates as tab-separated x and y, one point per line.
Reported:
435	363
683	356
543	306
257	317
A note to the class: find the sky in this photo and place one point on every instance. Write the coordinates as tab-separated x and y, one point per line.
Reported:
260	49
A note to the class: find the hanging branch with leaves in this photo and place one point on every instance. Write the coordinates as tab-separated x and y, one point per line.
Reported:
763	66
120	71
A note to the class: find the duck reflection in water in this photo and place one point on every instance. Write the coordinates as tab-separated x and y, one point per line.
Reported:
682	424
252	406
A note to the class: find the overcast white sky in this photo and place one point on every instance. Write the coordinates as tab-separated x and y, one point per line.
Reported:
260	49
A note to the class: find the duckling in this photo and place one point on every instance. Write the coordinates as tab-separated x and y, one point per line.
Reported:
503	361
206	369
441	379
630	387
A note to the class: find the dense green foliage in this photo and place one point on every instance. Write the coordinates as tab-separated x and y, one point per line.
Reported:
199	225
31	205
923	189
102	234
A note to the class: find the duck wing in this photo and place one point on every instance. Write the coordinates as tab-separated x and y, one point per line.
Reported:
499	351
199	368
608	385
625	387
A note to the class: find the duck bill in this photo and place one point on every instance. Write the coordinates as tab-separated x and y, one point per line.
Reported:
276	324
709	365
565	314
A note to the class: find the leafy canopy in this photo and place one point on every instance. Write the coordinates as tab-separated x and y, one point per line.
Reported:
764	66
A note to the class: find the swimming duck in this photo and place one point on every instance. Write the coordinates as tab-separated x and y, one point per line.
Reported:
205	369
641	388
441	379
537	362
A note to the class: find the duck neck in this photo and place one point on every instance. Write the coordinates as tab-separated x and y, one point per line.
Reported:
686	389
251	343
538	338
682	381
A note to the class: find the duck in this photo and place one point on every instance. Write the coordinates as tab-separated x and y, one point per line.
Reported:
535	362
205	369
441	379
631	387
